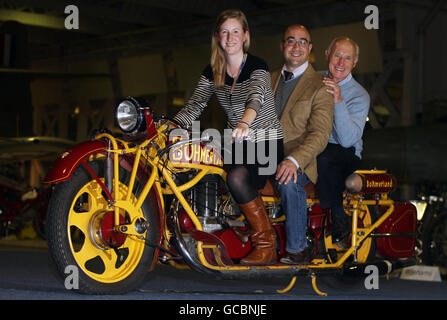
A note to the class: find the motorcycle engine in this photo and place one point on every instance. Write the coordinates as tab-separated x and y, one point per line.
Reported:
218	214
213	204
210	200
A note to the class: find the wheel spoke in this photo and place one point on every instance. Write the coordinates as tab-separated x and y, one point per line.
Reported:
132	241
80	220
89	202
108	257
87	252
95	199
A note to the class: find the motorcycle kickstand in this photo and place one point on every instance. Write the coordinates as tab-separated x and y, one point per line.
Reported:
314	285
289	286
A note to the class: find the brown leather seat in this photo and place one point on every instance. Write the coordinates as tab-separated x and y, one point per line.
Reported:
311	191
269	189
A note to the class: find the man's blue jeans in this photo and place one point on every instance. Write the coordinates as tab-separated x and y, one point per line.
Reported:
293	202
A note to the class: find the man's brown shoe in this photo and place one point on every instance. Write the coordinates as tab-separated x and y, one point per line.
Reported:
296	258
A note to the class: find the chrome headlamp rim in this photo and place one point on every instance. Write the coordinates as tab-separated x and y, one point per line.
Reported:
135	117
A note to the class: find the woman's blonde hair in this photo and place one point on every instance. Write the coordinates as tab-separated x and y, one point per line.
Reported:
218	61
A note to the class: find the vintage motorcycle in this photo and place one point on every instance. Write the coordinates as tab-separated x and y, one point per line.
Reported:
120	206
17	207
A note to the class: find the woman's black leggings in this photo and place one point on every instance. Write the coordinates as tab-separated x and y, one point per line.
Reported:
238	181
244	180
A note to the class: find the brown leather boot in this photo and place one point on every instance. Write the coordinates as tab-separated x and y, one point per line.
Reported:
262	234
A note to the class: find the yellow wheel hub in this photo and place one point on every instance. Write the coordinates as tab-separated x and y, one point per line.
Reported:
104	255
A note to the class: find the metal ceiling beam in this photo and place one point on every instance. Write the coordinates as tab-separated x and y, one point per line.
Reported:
87	25
32	19
126	12
34	73
262	22
200	7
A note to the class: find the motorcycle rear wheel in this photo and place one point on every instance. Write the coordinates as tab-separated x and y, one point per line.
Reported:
365	253
77	215
367	249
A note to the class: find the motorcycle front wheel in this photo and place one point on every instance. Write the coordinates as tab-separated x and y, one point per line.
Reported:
89	255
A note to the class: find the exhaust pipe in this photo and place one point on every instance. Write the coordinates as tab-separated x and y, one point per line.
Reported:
182	248
384	267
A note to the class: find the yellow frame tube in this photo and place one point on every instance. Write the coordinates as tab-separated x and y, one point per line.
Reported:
116	151
182	200
355	216
359	239
204	170
134	173
147	187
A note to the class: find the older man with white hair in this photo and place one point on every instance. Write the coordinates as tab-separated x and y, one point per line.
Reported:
343	152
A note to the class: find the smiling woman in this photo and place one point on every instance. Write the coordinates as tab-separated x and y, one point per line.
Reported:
241	83
231	37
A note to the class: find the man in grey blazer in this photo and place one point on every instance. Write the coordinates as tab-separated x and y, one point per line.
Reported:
306	111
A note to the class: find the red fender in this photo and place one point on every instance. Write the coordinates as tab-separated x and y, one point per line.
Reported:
64	167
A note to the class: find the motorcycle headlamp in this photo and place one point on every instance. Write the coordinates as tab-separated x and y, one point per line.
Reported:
129	116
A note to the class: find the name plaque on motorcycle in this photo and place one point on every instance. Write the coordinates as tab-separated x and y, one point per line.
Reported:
421	273
196	153
370	182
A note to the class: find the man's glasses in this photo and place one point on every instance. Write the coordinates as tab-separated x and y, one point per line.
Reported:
291	42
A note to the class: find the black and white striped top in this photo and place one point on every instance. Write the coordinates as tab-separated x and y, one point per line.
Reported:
252	90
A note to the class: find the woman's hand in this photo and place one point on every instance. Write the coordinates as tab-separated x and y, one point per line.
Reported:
173	125
241	131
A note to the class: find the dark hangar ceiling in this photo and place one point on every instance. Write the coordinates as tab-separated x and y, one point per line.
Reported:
116	27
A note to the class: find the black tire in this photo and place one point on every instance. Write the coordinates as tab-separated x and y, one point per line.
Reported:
62	246
368	247
342	280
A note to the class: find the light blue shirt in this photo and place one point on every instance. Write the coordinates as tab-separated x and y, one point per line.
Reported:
350	115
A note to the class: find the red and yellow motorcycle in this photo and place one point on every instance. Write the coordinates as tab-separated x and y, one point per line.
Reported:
121	205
